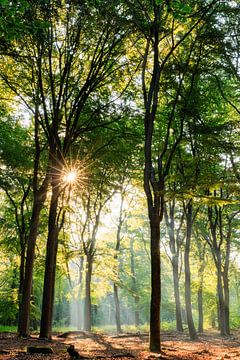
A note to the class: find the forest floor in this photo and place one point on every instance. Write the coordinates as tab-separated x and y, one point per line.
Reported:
127	346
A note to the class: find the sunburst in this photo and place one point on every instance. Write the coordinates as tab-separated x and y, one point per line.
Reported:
74	174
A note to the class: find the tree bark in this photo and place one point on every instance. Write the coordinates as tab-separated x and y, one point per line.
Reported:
134	286
200	308
174	244
226	310
117	309
221	302
87	300
155	287
38	202
50	265
175	271
188	302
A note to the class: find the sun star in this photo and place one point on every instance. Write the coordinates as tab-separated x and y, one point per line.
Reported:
70	177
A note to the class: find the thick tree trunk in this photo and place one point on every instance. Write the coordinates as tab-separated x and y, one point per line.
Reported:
87	300
117	309
155	287
50	266
177	293
38	203
188	302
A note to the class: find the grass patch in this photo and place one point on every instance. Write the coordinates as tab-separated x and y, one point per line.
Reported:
5	328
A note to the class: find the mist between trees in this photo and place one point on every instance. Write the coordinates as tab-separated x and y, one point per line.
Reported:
119	166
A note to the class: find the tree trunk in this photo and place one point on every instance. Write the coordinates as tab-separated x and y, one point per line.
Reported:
177	293
134	285
79	305
117	309
155	287
39	197
200	295
87	300
221	302
188	302
226	298
50	266
38	202
169	214
21	282
200	308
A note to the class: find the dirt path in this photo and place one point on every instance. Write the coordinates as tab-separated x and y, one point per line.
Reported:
175	346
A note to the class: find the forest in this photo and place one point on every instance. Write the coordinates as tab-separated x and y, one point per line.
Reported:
120	178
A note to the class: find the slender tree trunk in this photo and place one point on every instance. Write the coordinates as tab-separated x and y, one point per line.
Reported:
38	202
22	271
39	197
179	325
188	302
21	282
117	308
200	308
134	286
225	275
226	297
87	300
169	213
221	302
200	296
79	307
155	287
50	266
117	248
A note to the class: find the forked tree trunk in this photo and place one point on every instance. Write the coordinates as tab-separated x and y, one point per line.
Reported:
188	302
